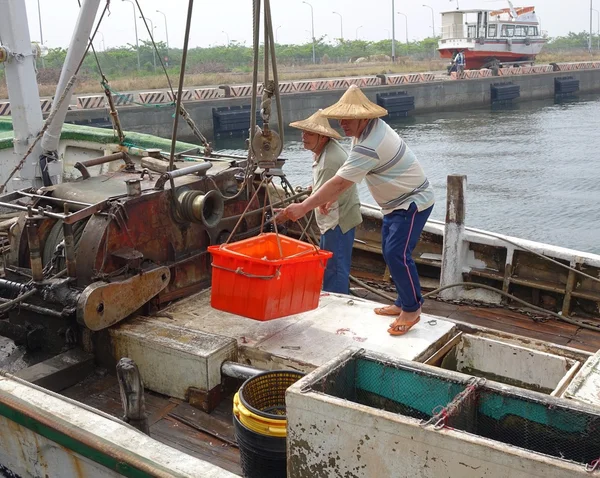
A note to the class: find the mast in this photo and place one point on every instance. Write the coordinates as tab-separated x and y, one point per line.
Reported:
23	93
77	48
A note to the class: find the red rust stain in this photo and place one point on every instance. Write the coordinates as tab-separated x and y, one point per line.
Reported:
342	331
79	473
359	339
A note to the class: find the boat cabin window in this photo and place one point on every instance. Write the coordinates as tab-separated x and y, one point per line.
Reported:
520	31
532	32
492	31
471	31
508	30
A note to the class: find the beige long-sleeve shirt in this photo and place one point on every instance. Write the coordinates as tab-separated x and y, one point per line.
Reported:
345	212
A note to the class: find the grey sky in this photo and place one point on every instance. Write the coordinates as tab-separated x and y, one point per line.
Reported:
211	18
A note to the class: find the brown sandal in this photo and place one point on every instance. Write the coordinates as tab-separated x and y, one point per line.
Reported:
384	311
402	328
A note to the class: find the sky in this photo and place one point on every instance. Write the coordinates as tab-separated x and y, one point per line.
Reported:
214	22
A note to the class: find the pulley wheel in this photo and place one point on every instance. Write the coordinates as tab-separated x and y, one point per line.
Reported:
266	147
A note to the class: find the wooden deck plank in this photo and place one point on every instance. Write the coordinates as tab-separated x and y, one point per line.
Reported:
550	326
92	385
102	392
587	340
522	328
219	427
205	447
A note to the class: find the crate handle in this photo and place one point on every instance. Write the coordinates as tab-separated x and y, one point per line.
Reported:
303	253
241	272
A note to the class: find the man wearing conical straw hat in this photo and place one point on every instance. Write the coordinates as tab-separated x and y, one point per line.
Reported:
396	182
337	225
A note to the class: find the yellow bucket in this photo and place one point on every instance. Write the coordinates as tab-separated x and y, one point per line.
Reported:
263	426
259	404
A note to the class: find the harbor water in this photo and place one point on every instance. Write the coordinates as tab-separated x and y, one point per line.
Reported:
533	168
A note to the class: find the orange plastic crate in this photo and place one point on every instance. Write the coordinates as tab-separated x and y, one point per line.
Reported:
251	279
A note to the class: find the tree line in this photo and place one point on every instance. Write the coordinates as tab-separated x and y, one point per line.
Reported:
123	61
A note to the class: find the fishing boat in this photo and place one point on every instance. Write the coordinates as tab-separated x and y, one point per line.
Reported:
491	38
115	362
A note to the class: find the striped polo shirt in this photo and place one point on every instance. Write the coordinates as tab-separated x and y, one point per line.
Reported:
393	174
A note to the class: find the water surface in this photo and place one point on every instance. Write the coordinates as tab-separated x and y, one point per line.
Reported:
533	169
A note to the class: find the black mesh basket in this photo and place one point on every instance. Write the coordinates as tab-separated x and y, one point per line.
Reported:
264	394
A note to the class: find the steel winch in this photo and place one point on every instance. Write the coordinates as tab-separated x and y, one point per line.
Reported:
92	252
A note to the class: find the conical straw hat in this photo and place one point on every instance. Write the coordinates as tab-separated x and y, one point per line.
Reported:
318	124
354	105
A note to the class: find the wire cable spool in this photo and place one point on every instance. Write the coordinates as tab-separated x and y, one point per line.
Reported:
51	251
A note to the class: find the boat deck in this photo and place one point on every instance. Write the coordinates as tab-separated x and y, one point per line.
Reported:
210	437
172	422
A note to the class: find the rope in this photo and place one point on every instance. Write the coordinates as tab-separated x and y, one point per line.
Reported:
105	84
269	180
269	28
245	211
440	414
562	318
182	111
255	34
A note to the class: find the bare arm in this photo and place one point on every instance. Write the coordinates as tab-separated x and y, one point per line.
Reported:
329	192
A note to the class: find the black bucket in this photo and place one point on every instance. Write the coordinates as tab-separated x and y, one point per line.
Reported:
263	455
260	456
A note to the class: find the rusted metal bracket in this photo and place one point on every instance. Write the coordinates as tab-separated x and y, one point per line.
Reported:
103	304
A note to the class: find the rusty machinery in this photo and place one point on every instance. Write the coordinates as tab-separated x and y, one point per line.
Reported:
92	252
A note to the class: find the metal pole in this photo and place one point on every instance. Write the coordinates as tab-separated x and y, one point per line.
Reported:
166	30
591	26
393	32
432	19
406	28
75	53
181	77
23	94
152	40
227	35
598	25
137	46
357	31
312	23
239	371
102	45
341	26
41	32
277	34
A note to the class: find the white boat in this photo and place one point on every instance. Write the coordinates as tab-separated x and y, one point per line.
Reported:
492	37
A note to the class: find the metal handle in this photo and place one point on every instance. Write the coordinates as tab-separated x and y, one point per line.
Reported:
83	165
169	176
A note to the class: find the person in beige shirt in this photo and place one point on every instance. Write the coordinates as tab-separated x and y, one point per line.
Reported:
337	223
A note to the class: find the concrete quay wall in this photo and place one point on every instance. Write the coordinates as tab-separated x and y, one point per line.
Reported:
429	97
